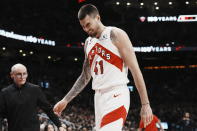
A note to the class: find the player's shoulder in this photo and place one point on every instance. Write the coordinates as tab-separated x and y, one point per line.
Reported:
115	31
88	39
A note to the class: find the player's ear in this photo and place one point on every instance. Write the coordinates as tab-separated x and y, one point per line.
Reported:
98	17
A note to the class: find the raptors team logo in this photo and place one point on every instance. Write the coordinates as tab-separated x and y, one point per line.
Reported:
106	55
99	51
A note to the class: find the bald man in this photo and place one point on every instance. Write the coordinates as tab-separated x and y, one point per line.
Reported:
19	102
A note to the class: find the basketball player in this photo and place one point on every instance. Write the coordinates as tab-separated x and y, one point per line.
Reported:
108	55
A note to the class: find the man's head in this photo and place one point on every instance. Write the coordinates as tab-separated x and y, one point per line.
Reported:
89	19
187	114
19	74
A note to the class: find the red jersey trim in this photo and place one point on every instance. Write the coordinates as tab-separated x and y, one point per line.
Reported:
106	54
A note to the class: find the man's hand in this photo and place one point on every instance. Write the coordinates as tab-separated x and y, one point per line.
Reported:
59	107
62	129
146	114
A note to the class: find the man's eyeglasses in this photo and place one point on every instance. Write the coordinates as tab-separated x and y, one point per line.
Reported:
21	75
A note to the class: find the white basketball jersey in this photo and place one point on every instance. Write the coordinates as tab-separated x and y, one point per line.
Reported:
107	66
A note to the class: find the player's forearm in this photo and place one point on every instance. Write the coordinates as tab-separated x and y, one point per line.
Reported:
79	85
140	84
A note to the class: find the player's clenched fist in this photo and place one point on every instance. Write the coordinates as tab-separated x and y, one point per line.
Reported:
59	107
146	114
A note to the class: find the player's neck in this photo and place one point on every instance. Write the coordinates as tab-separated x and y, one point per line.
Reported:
100	30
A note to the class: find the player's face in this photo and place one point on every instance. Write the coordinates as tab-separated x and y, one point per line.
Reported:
19	76
90	25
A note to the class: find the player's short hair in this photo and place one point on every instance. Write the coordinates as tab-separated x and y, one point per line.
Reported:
87	9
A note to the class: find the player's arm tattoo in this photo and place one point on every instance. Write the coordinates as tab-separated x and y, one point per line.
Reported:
113	36
81	82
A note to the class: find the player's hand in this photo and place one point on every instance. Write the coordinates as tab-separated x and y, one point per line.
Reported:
146	114
59	107
62	129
